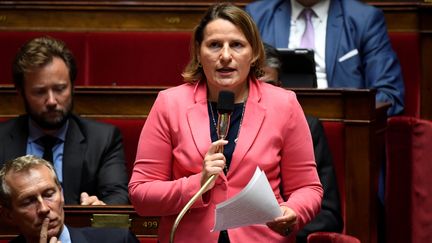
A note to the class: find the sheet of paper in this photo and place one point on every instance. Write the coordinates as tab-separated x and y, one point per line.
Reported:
255	204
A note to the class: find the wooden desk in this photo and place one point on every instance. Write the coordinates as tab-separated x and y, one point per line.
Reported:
364	124
100	216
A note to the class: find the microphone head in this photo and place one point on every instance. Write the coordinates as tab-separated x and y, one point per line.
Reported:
225	102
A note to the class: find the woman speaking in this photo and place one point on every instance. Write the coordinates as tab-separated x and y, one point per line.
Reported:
179	148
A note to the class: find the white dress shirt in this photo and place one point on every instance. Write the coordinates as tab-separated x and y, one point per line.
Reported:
319	22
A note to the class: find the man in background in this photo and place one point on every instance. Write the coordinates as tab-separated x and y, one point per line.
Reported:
349	38
31	197
87	155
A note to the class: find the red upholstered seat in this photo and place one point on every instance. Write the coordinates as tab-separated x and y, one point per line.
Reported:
158	58
146	240
11	41
408	181
336	139
137	58
327	237
112	58
131	131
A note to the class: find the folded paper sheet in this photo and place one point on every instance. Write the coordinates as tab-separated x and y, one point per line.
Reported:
255	204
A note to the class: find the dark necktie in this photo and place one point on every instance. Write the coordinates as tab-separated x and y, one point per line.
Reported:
48	142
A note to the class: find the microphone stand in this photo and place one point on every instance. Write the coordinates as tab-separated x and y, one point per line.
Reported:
211	179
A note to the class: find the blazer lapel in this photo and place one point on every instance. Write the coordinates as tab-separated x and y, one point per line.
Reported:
73	159
333	36
251	124
282	25
198	119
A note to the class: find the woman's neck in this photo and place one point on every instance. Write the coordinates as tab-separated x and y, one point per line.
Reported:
240	93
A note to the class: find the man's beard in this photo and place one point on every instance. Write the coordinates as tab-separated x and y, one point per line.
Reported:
49	124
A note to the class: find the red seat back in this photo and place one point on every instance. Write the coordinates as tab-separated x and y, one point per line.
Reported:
131	130
336	139
11	41
407	47
137	58
111	58
408	180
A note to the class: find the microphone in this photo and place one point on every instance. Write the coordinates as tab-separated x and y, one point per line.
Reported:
225	106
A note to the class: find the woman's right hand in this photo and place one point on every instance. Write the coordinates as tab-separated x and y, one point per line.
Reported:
214	162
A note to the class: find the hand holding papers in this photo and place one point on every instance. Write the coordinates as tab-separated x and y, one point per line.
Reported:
255	204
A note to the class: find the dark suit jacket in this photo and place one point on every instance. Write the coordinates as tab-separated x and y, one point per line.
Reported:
94	235
93	158
329	218
351	25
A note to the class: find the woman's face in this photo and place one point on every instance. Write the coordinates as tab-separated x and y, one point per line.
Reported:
226	56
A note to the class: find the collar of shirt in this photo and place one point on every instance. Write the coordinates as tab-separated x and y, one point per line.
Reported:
35	133
65	236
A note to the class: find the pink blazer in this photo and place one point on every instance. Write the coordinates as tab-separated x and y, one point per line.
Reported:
175	138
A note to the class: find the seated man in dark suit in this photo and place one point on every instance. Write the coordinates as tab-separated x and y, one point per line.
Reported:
31	198
329	218
87	155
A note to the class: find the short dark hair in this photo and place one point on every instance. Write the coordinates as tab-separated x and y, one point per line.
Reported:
272	57
39	52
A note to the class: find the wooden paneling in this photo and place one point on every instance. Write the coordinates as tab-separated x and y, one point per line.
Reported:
144	16
98	19
85	216
90	101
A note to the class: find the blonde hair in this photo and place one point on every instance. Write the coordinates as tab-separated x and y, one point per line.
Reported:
237	16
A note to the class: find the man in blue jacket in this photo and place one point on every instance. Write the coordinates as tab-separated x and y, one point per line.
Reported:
351	44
